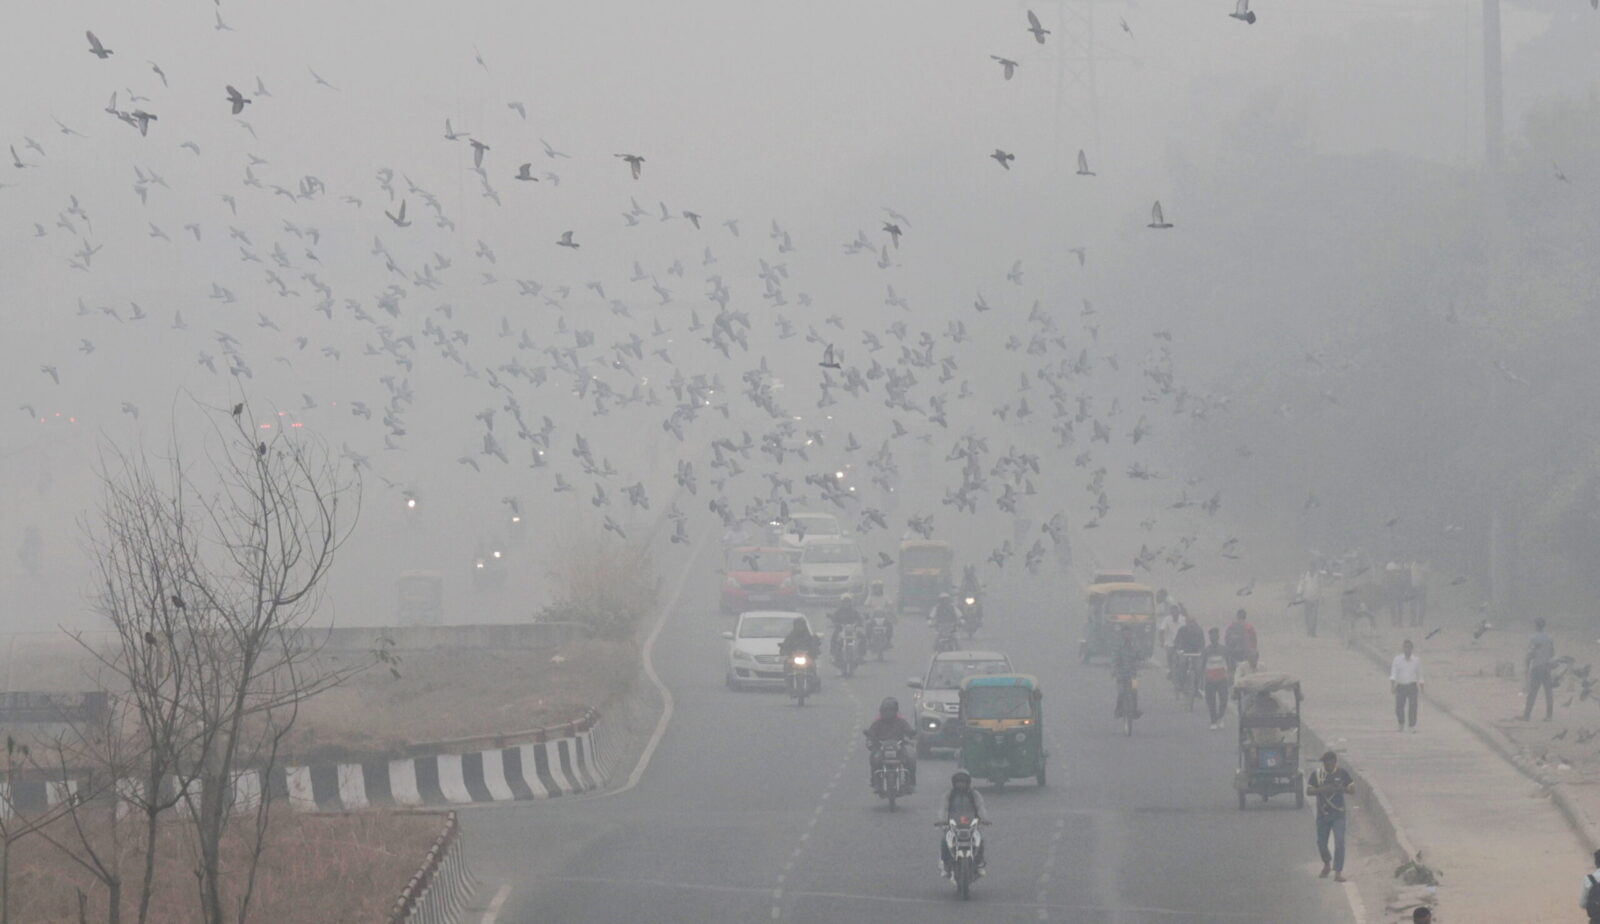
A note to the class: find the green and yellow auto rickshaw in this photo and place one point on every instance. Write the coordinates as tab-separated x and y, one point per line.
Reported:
1002	728
1113	606
926	571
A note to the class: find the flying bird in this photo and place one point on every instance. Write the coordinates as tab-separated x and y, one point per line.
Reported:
478	147
567	241
1243	13
525	173
634	161
95	48
1009	66
1158	220
1039	32
829	360
400	219
1003	158
1083	164
237	100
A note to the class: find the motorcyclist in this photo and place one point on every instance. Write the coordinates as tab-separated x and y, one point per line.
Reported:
878	610
1125	664
845	615
961	801
970	590
799	639
892	729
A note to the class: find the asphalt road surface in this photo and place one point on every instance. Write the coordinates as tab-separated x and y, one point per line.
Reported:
753	809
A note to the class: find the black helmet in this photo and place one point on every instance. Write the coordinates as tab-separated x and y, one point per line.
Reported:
960	777
800	625
889	708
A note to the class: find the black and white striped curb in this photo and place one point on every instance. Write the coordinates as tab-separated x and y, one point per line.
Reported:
441	890
564	760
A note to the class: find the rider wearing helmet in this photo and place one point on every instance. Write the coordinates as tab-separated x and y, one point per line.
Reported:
891	728
878	610
962	801
798	639
845	615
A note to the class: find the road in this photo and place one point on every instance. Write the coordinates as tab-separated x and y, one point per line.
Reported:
753	809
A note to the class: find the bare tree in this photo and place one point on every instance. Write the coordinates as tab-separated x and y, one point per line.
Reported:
211	576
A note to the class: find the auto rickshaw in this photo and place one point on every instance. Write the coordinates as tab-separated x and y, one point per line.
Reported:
926	569
1269	737
1112	606
1002	728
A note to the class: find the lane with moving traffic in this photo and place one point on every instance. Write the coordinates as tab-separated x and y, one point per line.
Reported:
755	809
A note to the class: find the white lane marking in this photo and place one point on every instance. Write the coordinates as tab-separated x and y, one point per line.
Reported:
1358	911
491	914
650	671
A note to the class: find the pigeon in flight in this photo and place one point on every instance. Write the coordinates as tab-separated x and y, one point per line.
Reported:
159	72
1039	32
525	173
400	219
829	361
520	108
1243	12
1083	164
635	163
894	233
567	241
1003	158
478	147
237	99
95	48
550	151
1009	66
1158	220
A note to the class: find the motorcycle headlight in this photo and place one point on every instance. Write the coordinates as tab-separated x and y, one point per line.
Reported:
971	600
801	661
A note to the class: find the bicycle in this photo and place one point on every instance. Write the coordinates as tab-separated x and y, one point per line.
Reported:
1186	680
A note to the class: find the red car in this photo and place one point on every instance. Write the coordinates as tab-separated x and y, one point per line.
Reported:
757	578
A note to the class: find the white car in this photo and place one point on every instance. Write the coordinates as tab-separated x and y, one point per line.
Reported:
806	528
829	570
753	648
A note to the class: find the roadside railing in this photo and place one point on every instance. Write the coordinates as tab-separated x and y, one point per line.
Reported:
442	887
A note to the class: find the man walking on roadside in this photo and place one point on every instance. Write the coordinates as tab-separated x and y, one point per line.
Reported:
1309	592
1590	900
1240	640
1405	680
1540	670
1214	670
1330	785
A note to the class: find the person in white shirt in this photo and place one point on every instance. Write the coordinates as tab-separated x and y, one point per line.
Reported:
1310	593
1167	631
1405	680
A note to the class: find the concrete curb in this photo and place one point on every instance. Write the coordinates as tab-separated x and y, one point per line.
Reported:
1496	740
1369	798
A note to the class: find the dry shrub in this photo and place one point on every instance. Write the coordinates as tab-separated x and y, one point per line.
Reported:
604	584
316	868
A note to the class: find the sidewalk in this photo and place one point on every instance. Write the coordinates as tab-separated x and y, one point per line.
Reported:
1503	848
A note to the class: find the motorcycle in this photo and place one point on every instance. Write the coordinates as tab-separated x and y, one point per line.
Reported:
850	656
801	676
971	613
962	840
945	640
892	778
878	635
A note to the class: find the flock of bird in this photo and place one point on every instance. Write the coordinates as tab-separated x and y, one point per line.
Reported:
723	373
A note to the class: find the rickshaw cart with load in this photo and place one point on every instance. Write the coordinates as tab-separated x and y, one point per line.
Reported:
1269	737
926	570
1113	606
1002	728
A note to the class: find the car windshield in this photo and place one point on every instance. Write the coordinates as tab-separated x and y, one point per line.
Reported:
998	703
947	675
766	626
832	554
763	560
1137	602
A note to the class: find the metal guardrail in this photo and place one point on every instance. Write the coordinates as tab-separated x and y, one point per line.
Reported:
442	887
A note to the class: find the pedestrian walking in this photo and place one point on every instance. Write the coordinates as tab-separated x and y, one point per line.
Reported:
1590	900
1330	785
1214	668
1405	681
1240	640
1540	670
1309	592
